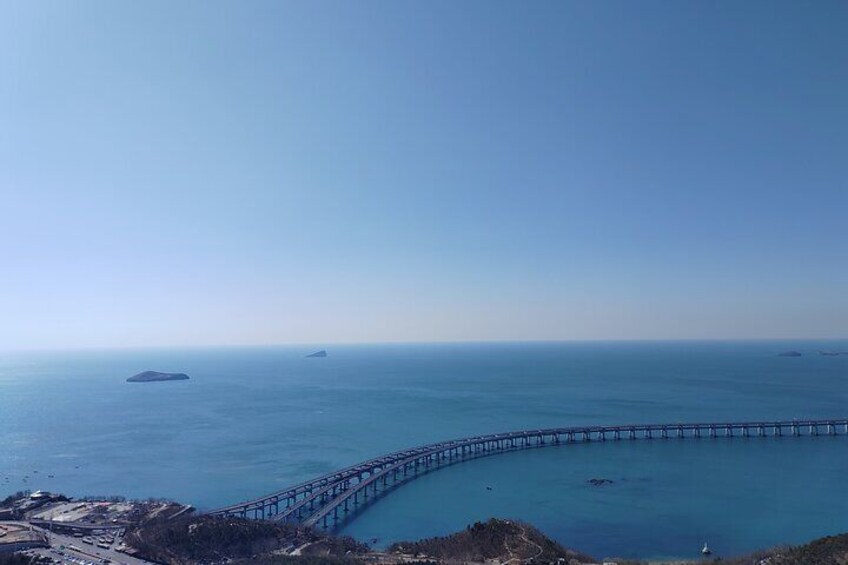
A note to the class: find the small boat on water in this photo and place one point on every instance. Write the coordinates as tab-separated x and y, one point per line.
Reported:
706	550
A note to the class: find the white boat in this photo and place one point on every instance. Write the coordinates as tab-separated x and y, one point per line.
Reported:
706	550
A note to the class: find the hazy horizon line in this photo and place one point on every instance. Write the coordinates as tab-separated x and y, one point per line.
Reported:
322	345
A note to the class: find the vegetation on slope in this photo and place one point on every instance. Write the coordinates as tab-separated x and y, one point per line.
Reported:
209	539
495	539
830	550
299	560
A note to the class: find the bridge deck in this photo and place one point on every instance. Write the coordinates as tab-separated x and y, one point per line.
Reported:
313	501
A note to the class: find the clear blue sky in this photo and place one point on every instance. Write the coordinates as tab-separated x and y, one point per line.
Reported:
193	173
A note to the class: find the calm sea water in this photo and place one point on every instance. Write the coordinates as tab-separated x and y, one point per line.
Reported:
251	421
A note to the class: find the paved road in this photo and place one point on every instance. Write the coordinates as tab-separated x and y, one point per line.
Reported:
86	553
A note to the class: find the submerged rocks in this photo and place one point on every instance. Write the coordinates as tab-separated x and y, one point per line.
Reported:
600	482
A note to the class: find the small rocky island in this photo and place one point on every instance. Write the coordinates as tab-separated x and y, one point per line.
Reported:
789	354
150	376
321	353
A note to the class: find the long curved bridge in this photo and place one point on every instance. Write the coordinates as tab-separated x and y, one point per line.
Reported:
329	499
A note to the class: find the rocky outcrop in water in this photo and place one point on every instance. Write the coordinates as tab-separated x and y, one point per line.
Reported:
321	353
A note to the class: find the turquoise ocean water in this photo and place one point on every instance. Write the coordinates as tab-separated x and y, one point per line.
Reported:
254	420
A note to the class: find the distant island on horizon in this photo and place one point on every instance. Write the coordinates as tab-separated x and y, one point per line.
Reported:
153	376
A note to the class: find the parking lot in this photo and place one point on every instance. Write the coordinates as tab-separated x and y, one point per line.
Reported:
72	550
